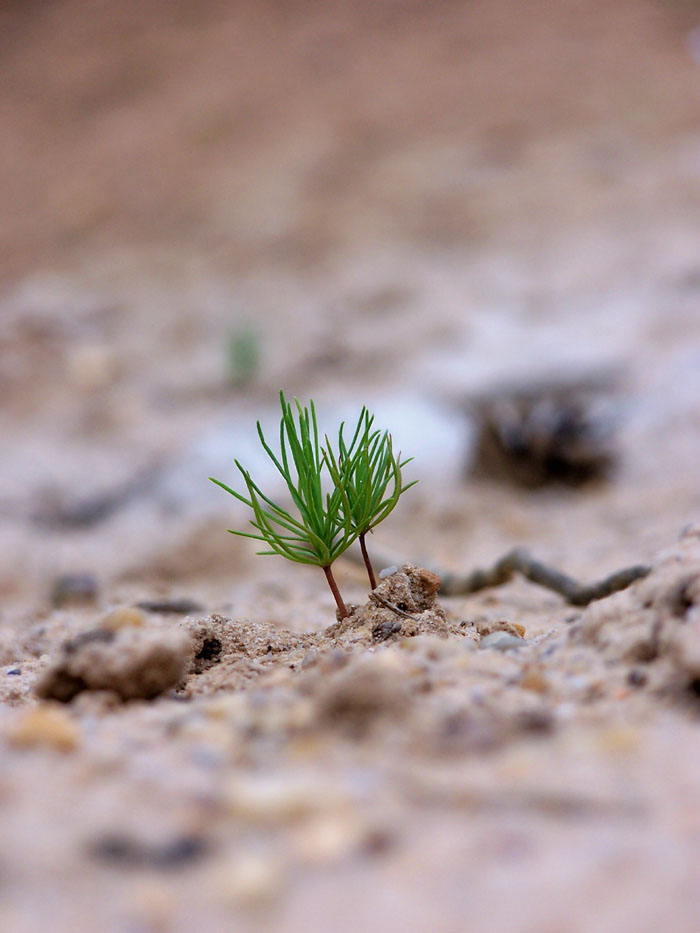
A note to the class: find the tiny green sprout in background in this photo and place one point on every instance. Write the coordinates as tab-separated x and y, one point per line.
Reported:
365	482
243	355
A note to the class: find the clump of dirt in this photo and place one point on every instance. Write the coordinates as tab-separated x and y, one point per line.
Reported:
655	624
357	696
227	653
217	637
403	605
132	662
536	435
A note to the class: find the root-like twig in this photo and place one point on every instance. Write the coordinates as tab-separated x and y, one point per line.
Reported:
520	561
387	605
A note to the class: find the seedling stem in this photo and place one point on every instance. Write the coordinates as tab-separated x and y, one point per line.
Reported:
336	592
368	562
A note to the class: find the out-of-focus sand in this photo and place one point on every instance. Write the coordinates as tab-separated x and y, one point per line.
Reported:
406	203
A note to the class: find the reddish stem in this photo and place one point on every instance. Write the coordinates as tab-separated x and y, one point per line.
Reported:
368	562
336	592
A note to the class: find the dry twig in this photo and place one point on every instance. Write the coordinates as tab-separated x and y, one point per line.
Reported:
520	561
385	602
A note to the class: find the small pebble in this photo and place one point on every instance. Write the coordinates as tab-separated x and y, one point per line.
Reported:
387	572
276	798
635	678
487	627
123	617
123	850
502	641
182	607
535	681
13	671
619	740
536	721
74	589
329	838
251	881
45	725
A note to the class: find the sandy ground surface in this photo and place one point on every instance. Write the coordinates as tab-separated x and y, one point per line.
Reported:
405	204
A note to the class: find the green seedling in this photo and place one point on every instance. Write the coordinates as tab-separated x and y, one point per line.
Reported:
321	529
365	477
369	472
243	356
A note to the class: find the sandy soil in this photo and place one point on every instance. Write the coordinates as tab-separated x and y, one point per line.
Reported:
406	205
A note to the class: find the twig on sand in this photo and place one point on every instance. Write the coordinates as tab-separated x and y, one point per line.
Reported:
520	561
385	602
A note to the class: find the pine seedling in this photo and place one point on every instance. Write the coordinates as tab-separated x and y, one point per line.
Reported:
369	473
322	528
243	356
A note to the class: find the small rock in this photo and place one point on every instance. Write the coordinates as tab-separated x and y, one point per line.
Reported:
535	720
181	607
619	740
487	626
329	838
637	677
385	629
173	853
13	671
251	881
426	580
135	663
277	798
45	725
502	641
535	681
123	617
401	606
74	589
387	572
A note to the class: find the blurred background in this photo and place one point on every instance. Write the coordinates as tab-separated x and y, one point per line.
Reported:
478	217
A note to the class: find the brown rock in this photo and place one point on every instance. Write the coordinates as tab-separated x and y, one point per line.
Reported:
403	605
123	617
134	663
45	725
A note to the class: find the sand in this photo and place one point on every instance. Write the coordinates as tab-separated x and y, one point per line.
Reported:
411	206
